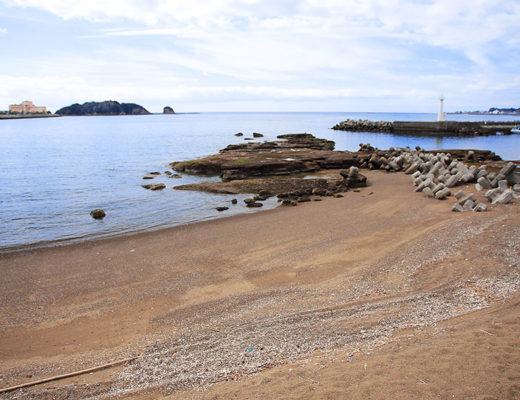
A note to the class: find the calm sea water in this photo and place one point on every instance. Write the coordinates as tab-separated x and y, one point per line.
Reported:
54	171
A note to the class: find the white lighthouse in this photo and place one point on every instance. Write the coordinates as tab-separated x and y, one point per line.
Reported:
441	116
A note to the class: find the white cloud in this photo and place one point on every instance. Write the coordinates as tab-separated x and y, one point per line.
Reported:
302	49
3	30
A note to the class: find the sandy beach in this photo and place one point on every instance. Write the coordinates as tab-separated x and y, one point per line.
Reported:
383	293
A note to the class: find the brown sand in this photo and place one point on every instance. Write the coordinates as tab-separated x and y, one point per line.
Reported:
380	294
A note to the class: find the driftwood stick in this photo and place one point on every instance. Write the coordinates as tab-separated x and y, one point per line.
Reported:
70	374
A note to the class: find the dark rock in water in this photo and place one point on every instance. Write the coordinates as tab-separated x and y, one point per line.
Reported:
249	201
168	110
159	186
254	205
257	135
175	176
239	134
234	201
148	177
109	107
154	173
222	208
98	213
168	172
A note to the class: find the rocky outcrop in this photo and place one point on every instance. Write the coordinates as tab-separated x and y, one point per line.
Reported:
168	110
109	107
297	153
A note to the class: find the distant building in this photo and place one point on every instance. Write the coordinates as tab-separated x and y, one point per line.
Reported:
26	107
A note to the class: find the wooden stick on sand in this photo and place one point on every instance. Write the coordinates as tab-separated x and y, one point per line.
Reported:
70	374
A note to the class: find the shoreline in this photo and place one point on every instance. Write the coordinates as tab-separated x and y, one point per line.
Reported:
119	235
342	276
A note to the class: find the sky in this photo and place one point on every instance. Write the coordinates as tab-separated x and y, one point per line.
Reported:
272	55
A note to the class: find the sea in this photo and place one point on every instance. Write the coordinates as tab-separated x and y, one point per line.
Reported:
54	171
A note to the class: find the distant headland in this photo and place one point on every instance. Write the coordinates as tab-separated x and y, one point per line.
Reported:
493	111
109	107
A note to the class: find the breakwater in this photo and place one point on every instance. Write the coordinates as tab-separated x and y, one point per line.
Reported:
442	128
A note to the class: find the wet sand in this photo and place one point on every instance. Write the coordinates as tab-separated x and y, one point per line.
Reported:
383	293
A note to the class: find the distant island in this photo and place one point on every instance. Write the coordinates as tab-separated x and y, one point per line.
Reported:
493	111
109	107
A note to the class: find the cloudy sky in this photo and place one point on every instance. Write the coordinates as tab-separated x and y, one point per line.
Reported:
253	55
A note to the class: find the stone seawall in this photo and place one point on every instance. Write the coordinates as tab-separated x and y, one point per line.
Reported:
443	128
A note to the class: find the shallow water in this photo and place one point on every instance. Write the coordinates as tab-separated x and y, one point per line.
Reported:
54	171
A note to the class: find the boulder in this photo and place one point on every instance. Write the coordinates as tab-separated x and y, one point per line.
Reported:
98	213
221	208
234	201
257	135
239	134
254	205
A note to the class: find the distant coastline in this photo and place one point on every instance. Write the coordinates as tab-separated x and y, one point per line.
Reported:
26	116
492	111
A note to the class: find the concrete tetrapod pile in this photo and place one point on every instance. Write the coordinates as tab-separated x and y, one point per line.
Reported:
435	174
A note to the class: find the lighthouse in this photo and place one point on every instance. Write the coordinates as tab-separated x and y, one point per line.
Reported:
441	116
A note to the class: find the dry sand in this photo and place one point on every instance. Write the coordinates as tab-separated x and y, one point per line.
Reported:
380	294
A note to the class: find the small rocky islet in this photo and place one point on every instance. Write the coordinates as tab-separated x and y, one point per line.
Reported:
281	168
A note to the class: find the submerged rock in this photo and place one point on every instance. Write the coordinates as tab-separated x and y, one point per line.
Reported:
98	213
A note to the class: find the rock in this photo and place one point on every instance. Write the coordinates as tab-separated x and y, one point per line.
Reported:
319	191
98	213
492	195
442	194
167	172
338	196
457	208
480	207
505	197
484	182
175	176
502	185
303	199
148	177
254	205
168	110
257	135
428	192
103	108
239	134
221	208
154	173
234	201
289	203
516	187
460	194
249	201
468	205
159	186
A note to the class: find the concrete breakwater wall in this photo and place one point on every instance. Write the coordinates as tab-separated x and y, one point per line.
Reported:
443	128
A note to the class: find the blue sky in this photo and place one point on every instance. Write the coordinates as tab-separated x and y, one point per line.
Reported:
249	55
